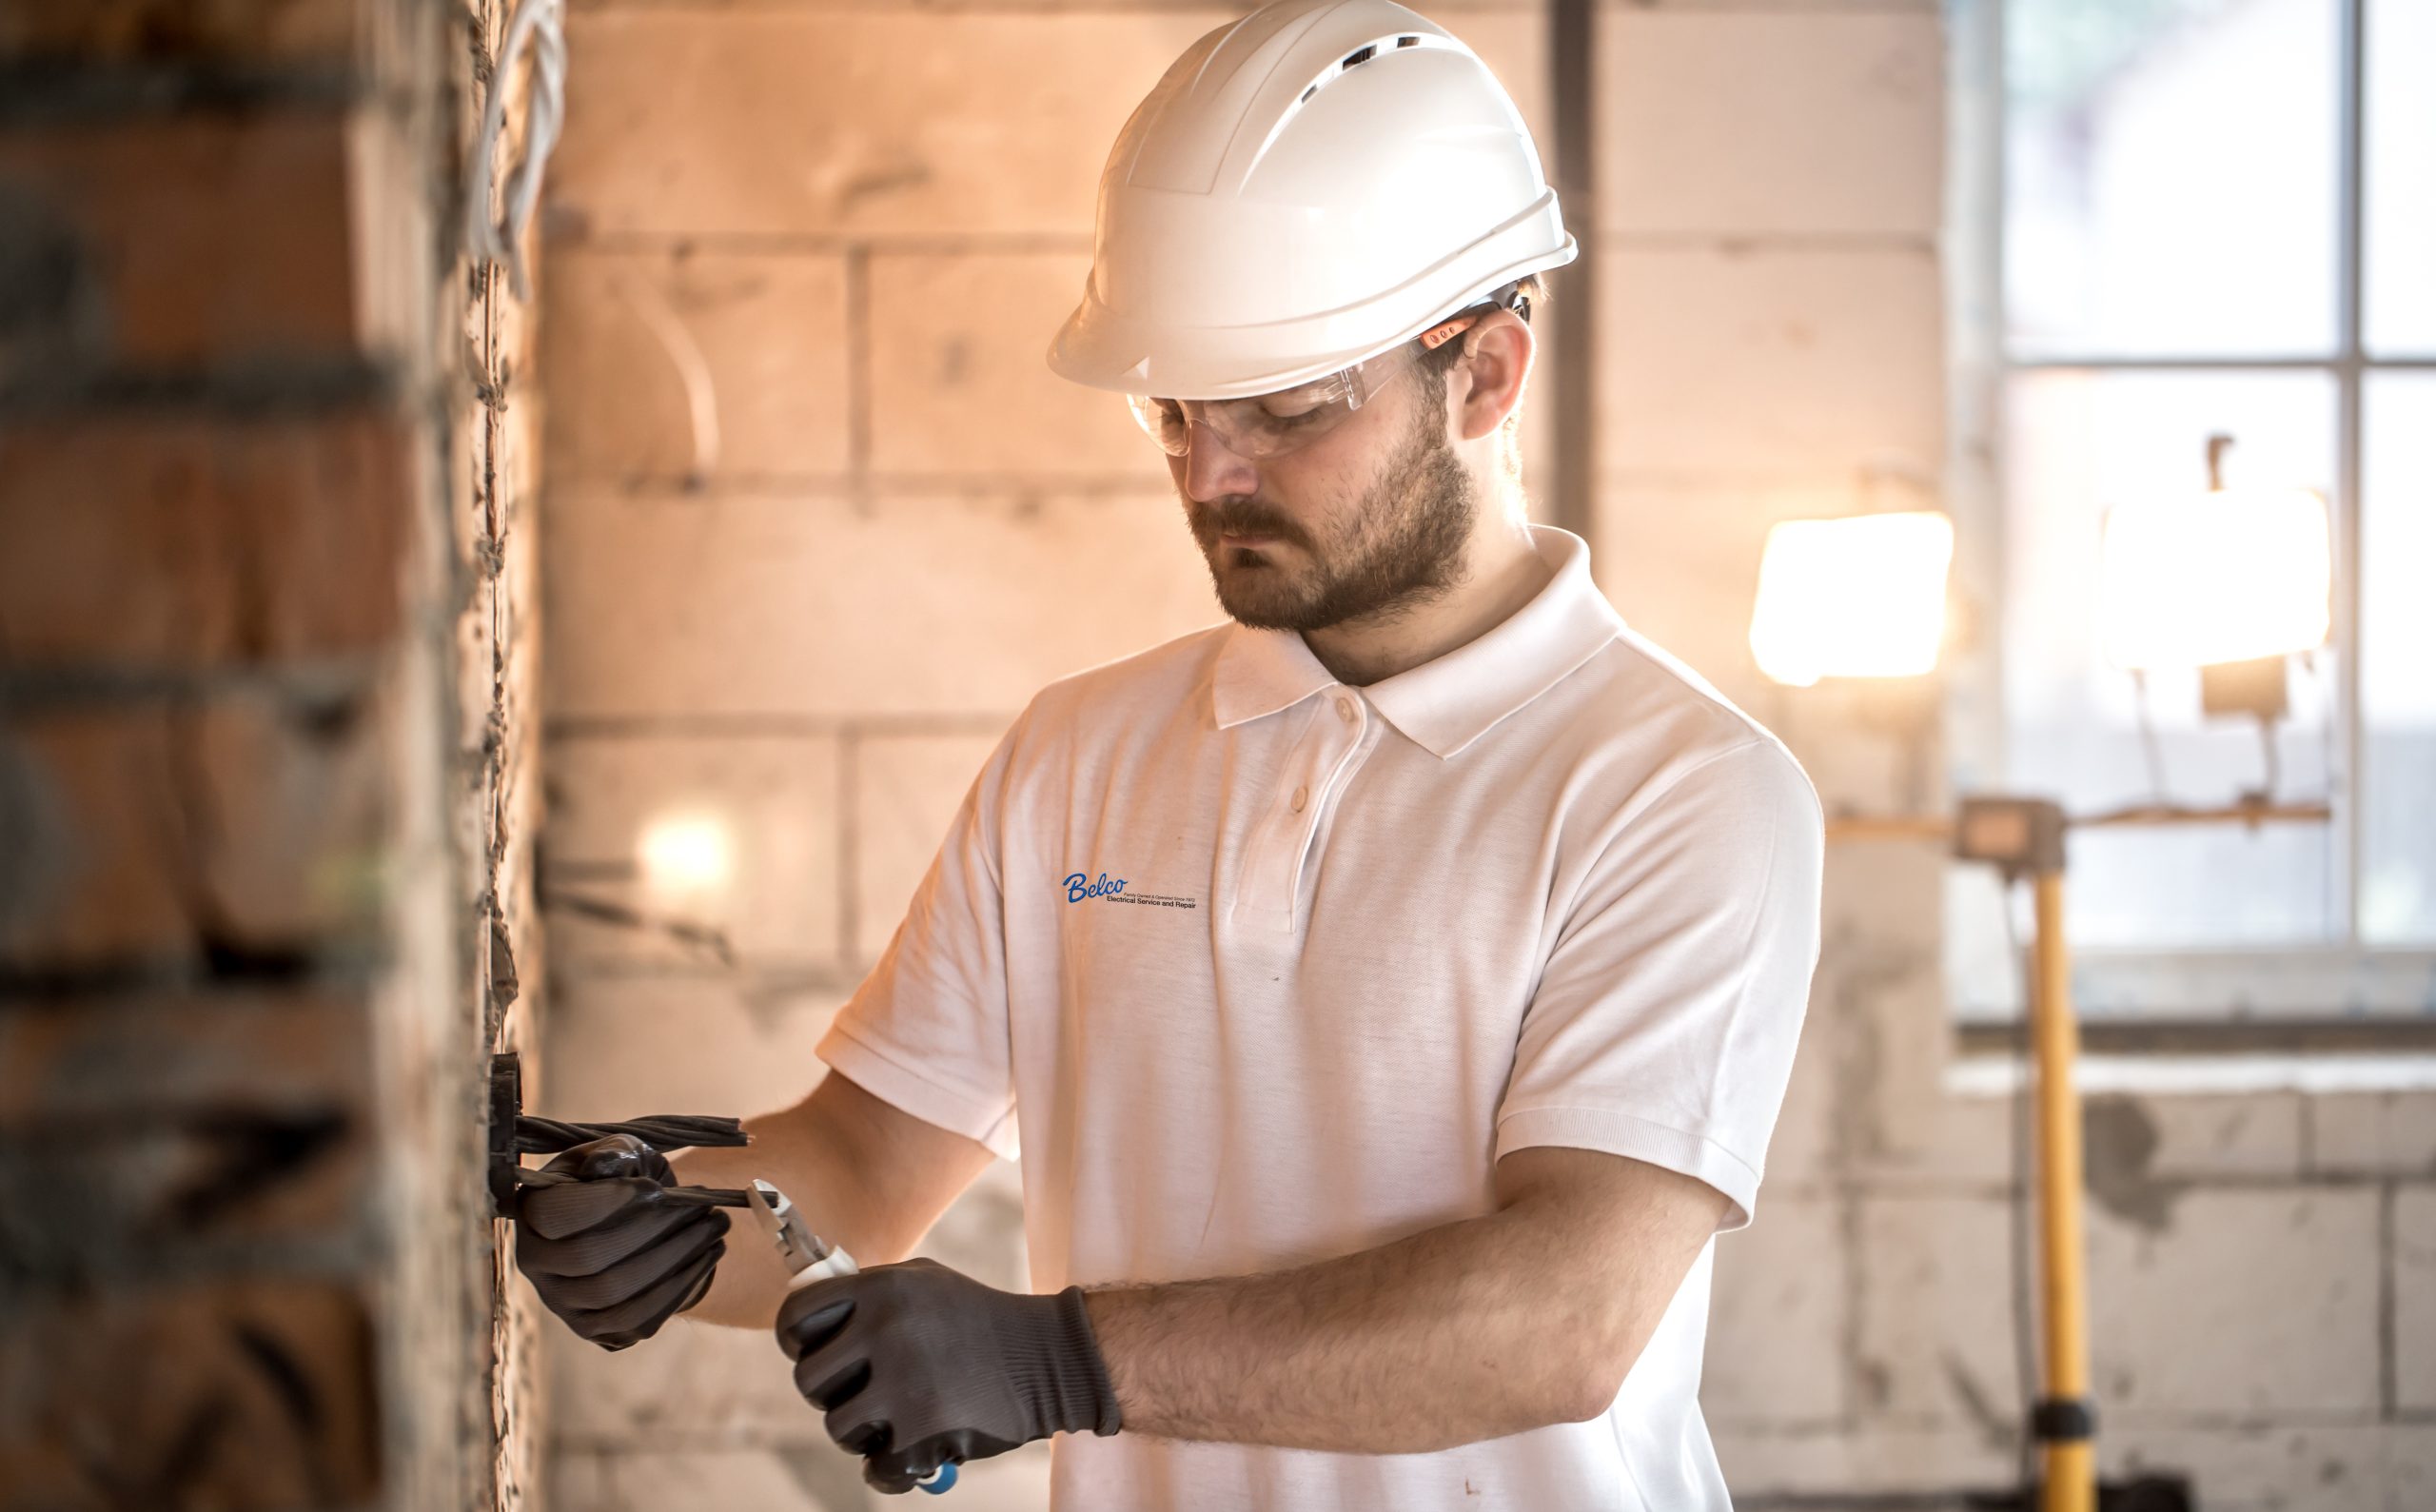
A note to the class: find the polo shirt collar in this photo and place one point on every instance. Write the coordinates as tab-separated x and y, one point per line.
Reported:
1444	704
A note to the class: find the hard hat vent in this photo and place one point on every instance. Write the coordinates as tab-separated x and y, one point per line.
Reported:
1357	58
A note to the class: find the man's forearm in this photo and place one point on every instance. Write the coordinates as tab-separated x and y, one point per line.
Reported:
1444	1338
866	1177
1527	1317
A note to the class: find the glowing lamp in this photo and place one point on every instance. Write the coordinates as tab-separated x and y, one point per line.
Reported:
1858	597
684	856
2222	576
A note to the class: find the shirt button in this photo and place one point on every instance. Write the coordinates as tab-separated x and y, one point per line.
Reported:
1344	709
1302	795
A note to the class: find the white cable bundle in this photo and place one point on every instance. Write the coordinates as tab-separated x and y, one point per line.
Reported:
540	24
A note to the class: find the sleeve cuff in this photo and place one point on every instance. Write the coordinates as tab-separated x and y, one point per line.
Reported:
933	1101
1622	1134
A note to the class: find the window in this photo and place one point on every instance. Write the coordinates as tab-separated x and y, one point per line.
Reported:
2208	217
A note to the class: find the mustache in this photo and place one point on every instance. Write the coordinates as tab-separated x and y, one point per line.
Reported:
1242	518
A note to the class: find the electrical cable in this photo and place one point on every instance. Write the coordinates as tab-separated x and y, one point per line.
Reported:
2016	1208
540	26
2150	747
535	1135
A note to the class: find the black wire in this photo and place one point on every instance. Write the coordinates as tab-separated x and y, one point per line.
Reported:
2149	746
682	1196
661	1132
2016	1211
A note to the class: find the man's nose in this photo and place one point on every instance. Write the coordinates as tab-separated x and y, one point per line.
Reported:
1211	471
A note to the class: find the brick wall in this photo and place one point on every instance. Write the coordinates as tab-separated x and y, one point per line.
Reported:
822	521
262	720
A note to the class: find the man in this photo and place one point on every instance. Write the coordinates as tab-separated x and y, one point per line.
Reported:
1396	985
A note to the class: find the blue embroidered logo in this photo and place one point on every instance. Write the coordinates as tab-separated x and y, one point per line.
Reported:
1079	887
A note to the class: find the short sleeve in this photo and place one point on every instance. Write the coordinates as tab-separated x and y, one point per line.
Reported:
1666	1017
927	1030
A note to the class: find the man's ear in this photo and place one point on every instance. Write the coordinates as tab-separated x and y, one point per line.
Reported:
1498	352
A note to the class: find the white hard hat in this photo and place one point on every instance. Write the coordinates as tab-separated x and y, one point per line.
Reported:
1307	187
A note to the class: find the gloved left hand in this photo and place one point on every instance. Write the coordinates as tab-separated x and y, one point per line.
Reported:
917	1364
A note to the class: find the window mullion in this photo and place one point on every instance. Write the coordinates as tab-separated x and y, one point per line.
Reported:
2349	240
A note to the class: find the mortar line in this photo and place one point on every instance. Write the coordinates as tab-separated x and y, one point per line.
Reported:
1783	241
578	489
858	369
2389	1365
850	753
772	725
639	241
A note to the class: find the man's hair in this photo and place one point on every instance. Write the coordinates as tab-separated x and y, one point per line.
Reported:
1530	294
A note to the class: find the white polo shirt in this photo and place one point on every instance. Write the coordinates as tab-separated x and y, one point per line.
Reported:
1275	968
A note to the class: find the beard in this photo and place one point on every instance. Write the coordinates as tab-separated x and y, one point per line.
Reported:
1404	547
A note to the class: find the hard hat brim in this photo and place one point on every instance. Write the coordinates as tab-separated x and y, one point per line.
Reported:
1100	348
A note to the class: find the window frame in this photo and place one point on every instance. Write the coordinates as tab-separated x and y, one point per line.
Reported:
2237	994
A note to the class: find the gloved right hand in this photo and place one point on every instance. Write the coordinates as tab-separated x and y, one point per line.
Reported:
607	1251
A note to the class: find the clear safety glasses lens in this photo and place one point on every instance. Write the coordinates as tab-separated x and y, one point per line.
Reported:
1272	424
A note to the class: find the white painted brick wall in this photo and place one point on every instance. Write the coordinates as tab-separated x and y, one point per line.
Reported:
639	340
1935	1319
907	790
2237	1303
858	121
760	605
2383	1132
960	384
1764	123
1798	364
2414	1300
772	800
1778	1317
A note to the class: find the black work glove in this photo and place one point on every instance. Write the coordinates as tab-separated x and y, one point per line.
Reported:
917	1364
607	1251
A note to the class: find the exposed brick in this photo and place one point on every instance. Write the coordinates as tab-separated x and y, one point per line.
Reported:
221	543
2373	1131
960	381
1769	123
181	31
766	605
907	789
174	245
630	338
1776	1320
2414	1318
144	1133
251	1396
1803	367
235	823
2241	1302
774	801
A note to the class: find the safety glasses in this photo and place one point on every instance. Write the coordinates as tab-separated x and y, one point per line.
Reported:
1271	425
